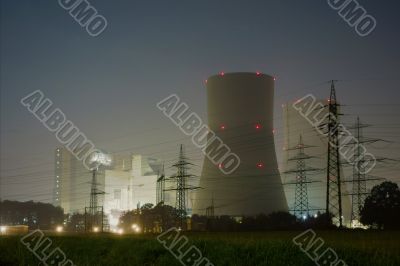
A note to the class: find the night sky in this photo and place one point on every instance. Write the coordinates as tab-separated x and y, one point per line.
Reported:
109	85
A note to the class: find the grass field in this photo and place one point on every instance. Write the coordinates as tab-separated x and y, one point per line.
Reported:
264	248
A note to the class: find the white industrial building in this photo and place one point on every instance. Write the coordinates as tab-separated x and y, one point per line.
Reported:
128	183
130	187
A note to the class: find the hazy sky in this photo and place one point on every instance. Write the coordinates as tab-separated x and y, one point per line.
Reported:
109	85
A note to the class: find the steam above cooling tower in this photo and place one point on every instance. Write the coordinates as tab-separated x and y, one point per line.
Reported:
240	112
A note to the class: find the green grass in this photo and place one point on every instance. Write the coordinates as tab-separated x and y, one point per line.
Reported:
241	249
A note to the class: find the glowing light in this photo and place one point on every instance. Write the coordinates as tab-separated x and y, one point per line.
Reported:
258	73
274	78
134	226
260	165
220	165
59	229
258	126
3	229
304	217
120	231
137	230
315	215
96	229
222	74
222	127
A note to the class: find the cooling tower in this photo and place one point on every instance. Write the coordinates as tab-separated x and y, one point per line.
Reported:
240	113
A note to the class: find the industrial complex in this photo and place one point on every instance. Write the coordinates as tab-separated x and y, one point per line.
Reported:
240	116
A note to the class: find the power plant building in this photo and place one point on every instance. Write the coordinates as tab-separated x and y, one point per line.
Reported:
72	182
128	183
130	188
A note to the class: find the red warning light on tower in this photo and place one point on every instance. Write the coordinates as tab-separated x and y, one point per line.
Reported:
258	126
260	165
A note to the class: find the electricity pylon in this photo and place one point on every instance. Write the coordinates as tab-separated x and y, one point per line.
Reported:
210	209
94	209
360	177
333	182
181	189
301	207
161	187
97	160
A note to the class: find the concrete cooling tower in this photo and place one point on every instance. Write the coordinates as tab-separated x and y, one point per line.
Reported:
240	113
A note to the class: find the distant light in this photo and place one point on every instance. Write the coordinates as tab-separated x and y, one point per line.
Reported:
274	78
260	165
134	226
220	165
137	230
315	215
3	229
120	231
304	217
222	127
59	229
258	73
222	74
258	126
95	229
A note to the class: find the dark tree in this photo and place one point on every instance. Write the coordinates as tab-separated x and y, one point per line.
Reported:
34	214
150	218
321	221
76	222
281	221
382	208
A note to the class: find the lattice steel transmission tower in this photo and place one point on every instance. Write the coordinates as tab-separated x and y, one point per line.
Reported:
359	191
182	187
161	187
360	177
210	209
333	182
301	206
95	221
